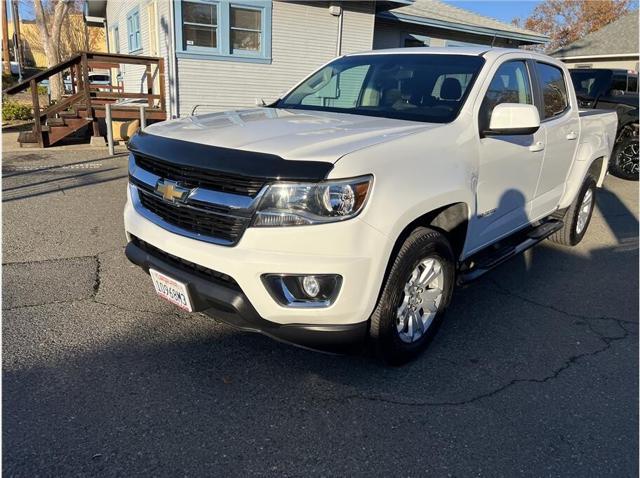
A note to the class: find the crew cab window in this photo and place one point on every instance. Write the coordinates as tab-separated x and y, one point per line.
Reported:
554	90
510	84
632	85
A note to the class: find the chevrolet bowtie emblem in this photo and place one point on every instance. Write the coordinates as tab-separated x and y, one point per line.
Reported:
171	191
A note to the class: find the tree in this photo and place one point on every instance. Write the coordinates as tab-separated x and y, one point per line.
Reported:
566	21
50	32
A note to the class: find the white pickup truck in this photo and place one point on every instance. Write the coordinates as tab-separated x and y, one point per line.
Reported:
347	211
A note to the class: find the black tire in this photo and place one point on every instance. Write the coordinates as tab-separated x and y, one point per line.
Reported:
422	244
624	160
571	234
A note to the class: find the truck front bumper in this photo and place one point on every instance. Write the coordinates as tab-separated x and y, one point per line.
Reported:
353	249
231	306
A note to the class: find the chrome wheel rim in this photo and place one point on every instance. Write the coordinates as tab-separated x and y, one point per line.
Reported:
423	293
628	158
585	210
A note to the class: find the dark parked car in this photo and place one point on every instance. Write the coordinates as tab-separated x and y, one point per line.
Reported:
614	89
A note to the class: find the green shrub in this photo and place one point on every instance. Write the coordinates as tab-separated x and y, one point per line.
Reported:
42	90
12	110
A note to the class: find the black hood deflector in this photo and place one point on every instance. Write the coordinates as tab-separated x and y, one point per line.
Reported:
226	160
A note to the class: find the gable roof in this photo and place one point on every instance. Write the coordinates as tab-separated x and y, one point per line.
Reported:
616	38
438	14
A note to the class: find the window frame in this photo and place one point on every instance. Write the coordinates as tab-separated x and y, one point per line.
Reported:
539	91
137	34
224	50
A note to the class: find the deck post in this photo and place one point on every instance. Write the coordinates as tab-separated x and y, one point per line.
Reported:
37	127
149	84
109	128
143	118
87	92
163	99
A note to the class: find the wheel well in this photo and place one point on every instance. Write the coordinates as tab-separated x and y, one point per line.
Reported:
595	170
452	220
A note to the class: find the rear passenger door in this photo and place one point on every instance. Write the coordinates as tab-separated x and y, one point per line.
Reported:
561	124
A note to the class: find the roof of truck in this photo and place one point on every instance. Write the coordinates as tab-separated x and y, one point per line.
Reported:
486	51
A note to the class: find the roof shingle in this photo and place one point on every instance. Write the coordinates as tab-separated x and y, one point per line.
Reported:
437	10
619	37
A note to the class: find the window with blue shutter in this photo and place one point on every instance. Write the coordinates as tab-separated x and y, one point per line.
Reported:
133	31
236	30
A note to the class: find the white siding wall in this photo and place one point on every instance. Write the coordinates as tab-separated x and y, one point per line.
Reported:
133	75
304	36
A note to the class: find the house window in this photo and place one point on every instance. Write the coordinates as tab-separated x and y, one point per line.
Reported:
199	24
224	29
133	31
246	29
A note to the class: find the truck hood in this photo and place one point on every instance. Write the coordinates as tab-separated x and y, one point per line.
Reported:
290	134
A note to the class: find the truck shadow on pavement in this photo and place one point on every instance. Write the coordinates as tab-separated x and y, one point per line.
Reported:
198	386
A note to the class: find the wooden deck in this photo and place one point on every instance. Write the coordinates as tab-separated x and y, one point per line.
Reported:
84	104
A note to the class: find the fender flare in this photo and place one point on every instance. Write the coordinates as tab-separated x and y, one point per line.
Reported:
597	165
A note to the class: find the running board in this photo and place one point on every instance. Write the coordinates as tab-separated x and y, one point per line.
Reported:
494	255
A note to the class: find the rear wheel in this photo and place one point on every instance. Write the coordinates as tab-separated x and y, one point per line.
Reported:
624	160
578	216
414	297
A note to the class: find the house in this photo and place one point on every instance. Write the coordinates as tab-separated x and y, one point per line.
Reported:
613	46
223	54
74	37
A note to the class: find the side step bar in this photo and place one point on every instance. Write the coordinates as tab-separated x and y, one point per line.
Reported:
494	255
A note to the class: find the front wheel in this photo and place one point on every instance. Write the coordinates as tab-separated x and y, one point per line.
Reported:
578	216
414	297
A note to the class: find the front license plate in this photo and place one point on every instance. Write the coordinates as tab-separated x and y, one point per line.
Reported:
171	290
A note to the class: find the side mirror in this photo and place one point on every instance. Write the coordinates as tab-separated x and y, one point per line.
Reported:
513	118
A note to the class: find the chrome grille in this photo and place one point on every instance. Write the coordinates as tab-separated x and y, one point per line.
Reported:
209	215
201	178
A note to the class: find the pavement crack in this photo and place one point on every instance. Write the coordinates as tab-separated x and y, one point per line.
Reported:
96	284
608	342
503	290
62	259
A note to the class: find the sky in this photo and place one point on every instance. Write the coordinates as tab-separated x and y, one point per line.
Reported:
503	10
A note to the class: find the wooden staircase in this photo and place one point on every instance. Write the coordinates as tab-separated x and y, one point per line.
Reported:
85	104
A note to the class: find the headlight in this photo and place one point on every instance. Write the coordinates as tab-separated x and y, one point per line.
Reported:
298	204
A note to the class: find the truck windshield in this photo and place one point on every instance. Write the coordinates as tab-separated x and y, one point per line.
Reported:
416	87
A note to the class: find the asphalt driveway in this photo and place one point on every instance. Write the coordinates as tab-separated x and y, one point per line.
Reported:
534	373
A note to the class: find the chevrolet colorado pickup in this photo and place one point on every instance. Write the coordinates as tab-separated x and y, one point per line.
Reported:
347	211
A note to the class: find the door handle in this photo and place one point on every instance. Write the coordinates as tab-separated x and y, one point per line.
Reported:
537	146
572	135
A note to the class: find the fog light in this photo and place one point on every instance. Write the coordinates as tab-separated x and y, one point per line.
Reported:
297	290
311	286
